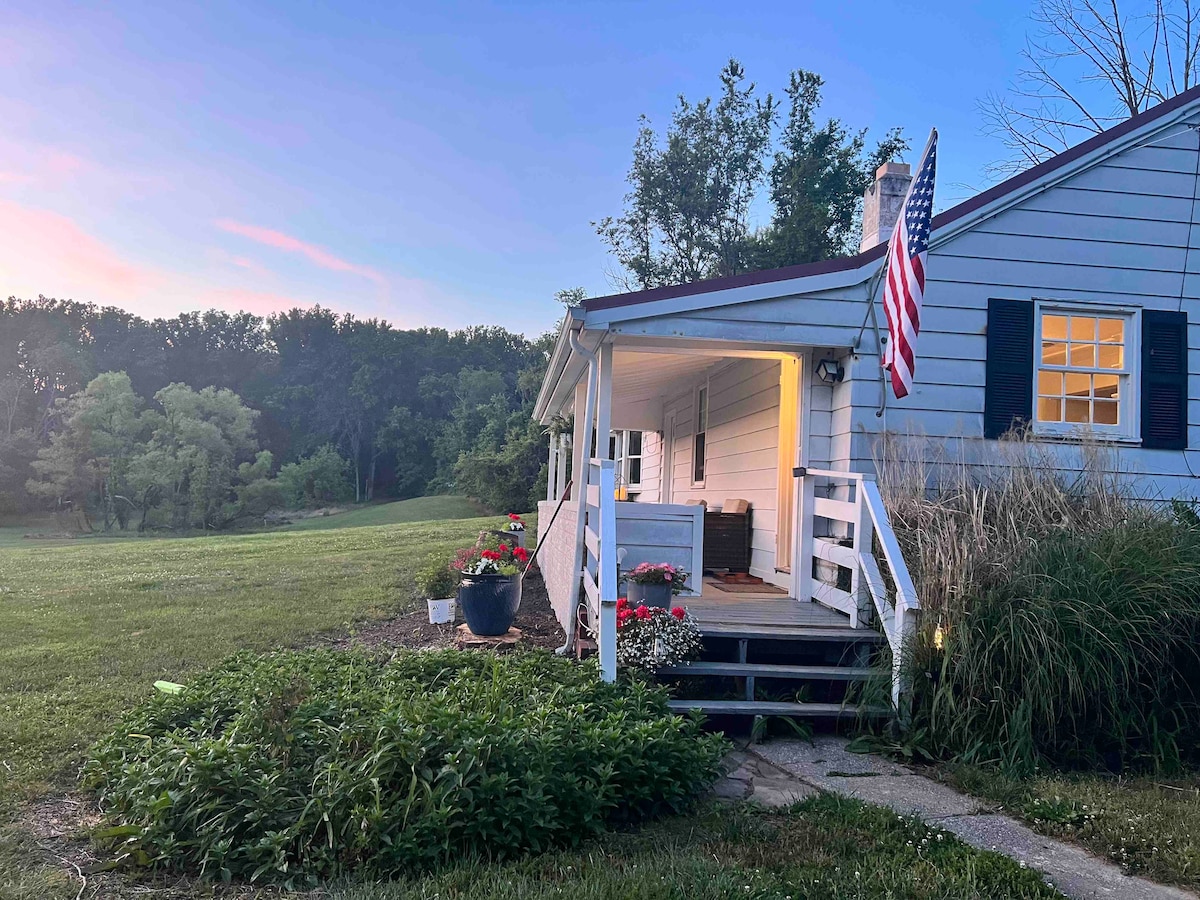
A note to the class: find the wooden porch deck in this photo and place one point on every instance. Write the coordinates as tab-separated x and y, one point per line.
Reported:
722	614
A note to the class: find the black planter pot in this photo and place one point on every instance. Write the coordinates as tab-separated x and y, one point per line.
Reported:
649	595
489	602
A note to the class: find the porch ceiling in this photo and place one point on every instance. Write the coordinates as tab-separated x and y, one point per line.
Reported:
641	377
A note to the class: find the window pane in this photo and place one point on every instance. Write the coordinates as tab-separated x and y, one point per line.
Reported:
1050	383
635	443
1049	409
1111	356
1054	328
698	458
1112	330
612	448
1083	355
1077	410
1105	385
1106	412
1078	385
1083	328
702	410
1054	354
635	470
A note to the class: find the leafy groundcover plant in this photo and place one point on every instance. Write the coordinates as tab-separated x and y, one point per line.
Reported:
298	767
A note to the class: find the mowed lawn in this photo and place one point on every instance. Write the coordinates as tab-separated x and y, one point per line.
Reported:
418	509
86	627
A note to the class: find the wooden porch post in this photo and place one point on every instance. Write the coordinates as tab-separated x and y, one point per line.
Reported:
551	466
604	401
560	469
579	448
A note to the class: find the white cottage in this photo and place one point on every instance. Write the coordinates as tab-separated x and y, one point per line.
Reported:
1059	298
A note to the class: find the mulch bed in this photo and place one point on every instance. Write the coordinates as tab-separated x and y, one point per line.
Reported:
412	630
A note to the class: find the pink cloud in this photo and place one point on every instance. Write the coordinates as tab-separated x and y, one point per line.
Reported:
52	252
316	255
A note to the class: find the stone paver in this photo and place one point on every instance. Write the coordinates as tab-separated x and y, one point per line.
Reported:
780	772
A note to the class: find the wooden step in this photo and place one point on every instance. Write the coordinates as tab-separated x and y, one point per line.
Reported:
842	633
767	670
774	708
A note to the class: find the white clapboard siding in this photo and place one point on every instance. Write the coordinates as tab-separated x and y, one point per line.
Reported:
742	447
1115	233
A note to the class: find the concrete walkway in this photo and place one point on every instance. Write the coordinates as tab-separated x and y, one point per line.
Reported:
780	772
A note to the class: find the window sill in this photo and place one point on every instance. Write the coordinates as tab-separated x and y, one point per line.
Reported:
1059	437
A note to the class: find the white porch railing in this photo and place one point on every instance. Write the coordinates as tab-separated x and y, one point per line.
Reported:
599	572
858	519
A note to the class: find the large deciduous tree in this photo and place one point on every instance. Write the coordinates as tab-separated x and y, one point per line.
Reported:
1088	65
688	214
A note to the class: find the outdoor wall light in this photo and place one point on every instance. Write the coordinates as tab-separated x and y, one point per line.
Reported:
830	371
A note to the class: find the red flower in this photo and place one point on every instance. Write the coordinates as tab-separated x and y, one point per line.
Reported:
521	553
643	612
623	616
622	602
514	517
503	548
679	612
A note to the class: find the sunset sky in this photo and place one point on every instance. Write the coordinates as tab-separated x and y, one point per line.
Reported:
426	163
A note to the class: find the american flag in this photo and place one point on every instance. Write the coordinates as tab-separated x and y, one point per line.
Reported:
905	283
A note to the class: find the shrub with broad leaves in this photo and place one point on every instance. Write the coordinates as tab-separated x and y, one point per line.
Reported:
303	766
650	638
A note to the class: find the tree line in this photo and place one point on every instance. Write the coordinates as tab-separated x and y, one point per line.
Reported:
205	419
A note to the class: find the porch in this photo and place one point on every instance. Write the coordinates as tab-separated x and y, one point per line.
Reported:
647	436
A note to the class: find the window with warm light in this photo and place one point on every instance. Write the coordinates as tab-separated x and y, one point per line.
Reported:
1085	370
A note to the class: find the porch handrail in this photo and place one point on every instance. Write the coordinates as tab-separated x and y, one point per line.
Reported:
898	621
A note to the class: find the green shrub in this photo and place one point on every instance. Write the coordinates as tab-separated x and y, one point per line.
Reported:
301	766
436	580
316	480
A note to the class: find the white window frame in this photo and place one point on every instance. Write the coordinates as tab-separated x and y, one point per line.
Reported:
619	442
702	388
1128	427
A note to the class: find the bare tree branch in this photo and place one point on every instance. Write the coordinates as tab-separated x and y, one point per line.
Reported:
1089	65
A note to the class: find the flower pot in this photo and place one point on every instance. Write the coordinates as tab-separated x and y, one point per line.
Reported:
441	612
512	538
648	595
489	602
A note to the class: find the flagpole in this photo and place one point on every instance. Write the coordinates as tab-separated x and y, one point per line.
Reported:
873	286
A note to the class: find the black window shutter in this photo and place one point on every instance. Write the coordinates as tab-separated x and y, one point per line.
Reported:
1164	380
1008	390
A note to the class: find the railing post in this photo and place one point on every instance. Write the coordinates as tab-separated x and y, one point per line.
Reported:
863	533
802	558
606	575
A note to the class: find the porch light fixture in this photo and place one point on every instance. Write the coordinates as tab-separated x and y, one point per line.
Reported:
830	371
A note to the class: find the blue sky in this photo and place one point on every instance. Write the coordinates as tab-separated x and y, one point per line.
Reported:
426	163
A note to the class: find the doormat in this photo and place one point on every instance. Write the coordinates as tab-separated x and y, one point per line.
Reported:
736	588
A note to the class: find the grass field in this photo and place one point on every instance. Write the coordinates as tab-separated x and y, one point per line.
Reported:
86	626
418	509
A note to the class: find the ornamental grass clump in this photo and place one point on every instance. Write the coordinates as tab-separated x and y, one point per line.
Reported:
302	766
1069	613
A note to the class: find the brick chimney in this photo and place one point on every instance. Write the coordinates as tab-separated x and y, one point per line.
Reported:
881	203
